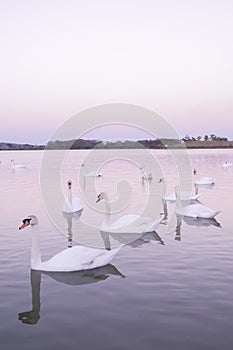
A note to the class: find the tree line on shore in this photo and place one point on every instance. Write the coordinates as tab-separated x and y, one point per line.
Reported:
211	137
207	141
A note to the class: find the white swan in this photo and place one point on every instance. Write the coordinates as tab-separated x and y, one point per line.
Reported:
16	166
146	175
70	259
127	223
193	210
71	204
184	195
204	180
227	165
94	174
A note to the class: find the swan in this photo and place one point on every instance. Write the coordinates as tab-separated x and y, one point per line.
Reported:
227	165
17	166
127	223
185	196
204	180
94	174
193	210
146	175
71	204
70	259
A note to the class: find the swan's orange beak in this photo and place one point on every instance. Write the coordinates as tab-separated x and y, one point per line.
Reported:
24	224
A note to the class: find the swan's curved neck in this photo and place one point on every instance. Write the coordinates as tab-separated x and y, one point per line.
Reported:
178	200
196	189
70	195
35	253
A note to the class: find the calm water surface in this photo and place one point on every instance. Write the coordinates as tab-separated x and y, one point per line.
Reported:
170	290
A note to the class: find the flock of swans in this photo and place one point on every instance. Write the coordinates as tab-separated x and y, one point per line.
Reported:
78	258
194	209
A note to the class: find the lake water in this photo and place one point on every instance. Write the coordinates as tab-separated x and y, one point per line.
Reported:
169	290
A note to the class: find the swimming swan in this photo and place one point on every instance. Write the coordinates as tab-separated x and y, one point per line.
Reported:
185	196
227	164
70	259
146	175
71	204
127	223
16	166
94	174
205	180
193	210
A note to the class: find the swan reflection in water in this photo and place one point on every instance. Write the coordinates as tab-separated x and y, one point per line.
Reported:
69	218
133	240
197	222
32	316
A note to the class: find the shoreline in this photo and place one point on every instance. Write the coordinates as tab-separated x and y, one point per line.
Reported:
101	145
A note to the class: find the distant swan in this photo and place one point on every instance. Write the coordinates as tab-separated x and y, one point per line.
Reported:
146	175
16	166
94	174
127	223
205	180
70	259
227	165
195	210
71	204
185	196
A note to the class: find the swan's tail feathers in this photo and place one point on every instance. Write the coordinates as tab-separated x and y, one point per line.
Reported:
104	258
216	213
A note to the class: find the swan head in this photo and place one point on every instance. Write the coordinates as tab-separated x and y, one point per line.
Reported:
101	196
31	220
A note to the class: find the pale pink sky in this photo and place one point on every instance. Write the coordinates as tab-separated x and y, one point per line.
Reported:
60	57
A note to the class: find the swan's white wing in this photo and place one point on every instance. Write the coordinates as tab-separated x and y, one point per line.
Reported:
93	174
79	258
73	207
205	180
170	197
125	221
184	196
199	211
132	224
